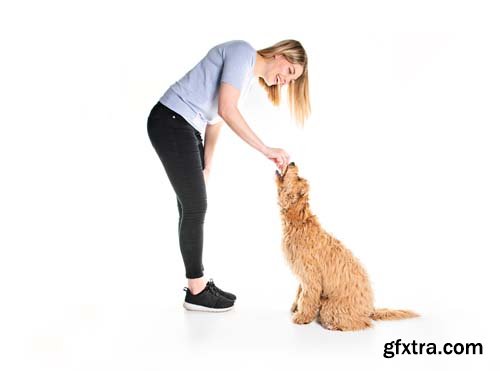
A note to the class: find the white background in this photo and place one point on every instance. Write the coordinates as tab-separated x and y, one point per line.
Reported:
401	153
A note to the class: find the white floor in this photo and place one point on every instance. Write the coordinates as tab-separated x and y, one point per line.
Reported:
149	330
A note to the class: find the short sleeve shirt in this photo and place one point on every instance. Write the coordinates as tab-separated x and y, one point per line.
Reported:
195	96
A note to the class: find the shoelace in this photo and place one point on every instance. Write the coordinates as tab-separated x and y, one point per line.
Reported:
211	283
212	288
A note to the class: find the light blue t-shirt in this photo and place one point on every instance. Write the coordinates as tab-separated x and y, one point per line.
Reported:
195	96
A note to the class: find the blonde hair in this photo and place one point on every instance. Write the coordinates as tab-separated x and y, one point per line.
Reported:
298	90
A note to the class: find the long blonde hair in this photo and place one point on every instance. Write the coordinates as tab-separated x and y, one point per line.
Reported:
298	90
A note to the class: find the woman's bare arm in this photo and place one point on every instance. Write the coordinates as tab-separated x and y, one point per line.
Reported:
211	135
228	110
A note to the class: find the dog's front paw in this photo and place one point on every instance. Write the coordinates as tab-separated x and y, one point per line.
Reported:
301	319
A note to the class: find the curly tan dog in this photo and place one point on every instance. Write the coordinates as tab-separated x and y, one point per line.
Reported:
332	280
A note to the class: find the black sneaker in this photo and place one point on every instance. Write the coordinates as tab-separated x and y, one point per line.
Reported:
223	293
207	300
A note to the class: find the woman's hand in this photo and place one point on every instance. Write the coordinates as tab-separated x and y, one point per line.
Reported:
206	173
279	156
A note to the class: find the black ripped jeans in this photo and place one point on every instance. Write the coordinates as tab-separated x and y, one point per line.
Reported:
180	148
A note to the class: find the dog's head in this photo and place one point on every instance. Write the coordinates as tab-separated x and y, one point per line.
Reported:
291	187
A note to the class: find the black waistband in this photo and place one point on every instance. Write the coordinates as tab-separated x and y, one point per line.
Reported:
160	105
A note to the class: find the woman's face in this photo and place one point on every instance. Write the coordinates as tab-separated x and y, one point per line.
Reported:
281	72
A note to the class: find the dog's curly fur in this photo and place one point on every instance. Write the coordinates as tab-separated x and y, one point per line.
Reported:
332	281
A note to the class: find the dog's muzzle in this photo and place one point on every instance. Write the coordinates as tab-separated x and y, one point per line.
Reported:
291	164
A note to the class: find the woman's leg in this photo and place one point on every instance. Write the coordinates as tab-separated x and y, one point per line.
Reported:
196	285
179	208
180	149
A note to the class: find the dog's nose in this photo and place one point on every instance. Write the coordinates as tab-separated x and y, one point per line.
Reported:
291	164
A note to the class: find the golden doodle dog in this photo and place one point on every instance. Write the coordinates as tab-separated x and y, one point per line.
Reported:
334	286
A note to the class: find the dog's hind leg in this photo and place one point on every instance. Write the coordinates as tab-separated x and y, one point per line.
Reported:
333	316
294	305
308	302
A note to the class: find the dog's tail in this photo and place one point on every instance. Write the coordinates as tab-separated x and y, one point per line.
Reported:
383	314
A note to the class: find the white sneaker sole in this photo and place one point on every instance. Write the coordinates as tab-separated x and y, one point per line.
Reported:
201	308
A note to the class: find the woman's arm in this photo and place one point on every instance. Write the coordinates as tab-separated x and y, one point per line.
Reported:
229	112
211	135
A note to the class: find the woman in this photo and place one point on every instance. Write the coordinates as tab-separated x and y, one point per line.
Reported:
198	104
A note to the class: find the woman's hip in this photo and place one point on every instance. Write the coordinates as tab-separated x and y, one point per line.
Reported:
177	143
172	132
